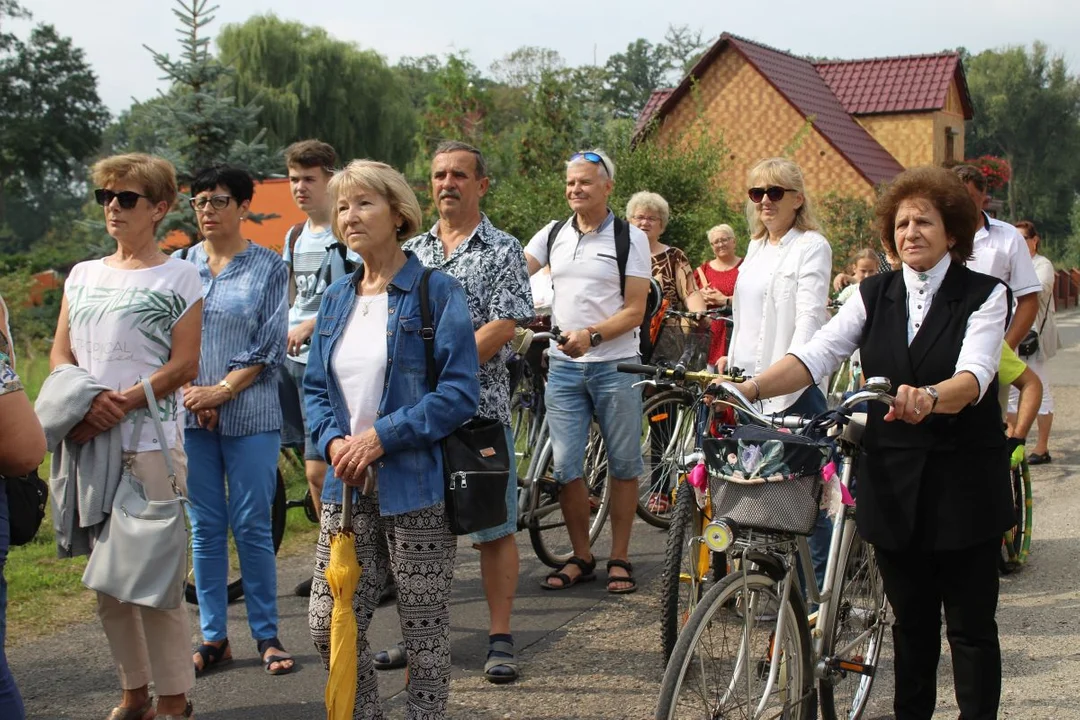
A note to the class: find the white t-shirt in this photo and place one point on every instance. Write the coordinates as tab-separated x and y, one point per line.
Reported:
120	323
313	270
585	276
359	360
1001	252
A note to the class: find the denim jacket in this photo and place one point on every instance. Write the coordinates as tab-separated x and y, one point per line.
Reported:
411	419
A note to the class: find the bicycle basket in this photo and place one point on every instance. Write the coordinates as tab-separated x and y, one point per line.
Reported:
764	479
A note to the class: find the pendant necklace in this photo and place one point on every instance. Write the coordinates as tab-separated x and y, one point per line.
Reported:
365	306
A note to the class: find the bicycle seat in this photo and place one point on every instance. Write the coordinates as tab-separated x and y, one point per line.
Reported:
853	431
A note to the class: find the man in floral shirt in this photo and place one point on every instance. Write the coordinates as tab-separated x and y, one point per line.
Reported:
490	265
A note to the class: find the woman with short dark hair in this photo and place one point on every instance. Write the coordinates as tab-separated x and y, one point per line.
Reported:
933	490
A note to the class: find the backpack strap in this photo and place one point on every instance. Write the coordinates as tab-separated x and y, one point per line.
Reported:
427	329
552	234
622	250
294	234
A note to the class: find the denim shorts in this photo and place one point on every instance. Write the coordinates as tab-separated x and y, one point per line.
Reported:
511	525
294	425
577	391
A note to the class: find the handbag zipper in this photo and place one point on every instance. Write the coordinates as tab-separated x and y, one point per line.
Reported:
463	475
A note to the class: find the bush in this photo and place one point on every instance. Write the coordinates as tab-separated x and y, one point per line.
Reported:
848	223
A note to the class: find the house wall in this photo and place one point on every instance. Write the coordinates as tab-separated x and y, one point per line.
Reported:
733	100
920	138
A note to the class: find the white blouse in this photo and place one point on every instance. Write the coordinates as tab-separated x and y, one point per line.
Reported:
779	303
980	353
359	360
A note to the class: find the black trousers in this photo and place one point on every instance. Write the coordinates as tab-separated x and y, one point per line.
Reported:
918	583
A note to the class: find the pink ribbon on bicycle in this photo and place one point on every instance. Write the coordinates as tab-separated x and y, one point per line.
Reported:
829	474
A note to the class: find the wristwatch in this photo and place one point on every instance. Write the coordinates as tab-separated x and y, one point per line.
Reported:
932	392
595	338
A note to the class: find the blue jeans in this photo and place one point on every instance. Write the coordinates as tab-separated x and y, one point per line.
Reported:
11	704
575	392
248	466
810	403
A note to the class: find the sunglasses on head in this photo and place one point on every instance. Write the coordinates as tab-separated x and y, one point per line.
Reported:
218	202
773	192
593	158
126	198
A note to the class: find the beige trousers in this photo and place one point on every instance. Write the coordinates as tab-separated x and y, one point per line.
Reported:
147	644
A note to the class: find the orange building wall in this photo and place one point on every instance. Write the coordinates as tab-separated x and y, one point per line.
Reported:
756	122
911	138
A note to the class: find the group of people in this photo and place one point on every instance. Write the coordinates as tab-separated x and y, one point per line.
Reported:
225	329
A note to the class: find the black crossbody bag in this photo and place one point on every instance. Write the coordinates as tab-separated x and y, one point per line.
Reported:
476	459
27	497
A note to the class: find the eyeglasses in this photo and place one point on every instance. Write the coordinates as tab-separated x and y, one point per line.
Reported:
773	192
724	240
126	198
593	158
645	218
219	202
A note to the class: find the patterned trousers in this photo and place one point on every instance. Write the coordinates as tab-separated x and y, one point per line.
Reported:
421	556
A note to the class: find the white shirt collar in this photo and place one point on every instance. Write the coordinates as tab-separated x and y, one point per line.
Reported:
931	279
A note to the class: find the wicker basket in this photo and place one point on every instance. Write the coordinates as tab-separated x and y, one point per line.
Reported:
763	479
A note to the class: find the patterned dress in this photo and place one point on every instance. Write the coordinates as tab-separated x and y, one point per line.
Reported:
673	271
9	381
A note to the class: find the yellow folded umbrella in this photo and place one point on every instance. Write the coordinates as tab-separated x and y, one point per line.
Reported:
342	575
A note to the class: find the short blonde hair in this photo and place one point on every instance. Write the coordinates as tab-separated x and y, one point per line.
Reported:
786	174
155	175
721	228
386	181
646	200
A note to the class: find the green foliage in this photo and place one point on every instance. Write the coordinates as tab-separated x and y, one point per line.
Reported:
1027	110
634	74
30	325
848	223
457	108
313	86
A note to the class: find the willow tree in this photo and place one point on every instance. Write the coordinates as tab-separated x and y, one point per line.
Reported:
311	85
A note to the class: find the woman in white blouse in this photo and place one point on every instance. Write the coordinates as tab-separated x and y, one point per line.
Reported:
783	285
933	490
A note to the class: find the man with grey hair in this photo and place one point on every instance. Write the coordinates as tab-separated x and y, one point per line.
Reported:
491	267
600	271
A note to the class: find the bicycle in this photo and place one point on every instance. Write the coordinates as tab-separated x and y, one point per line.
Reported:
747	649
1016	545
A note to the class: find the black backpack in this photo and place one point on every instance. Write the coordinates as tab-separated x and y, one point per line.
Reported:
622	255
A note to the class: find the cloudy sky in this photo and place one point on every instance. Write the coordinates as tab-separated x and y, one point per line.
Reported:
113	34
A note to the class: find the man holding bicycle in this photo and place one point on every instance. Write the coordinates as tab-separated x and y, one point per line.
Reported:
600	270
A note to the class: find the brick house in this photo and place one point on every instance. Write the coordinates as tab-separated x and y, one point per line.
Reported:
852	124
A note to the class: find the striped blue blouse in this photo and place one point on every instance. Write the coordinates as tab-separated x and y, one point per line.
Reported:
245	322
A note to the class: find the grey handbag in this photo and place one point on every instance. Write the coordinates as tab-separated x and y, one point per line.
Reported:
140	556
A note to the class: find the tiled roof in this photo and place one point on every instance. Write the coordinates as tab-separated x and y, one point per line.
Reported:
896	84
798	81
656	99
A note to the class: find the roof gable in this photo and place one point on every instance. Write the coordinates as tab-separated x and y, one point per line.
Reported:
916	83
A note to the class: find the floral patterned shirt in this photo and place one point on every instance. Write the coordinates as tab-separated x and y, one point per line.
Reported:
491	267
9	381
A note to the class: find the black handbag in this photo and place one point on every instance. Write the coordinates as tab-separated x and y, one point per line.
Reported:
1030	344
476	459
26	497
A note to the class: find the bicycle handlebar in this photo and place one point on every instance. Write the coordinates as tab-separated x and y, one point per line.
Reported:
678	373
733	396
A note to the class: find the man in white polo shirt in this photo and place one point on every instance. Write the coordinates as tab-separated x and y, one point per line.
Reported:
1001	251
599	307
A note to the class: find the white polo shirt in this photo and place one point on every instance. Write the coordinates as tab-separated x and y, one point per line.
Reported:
1001	252
585	276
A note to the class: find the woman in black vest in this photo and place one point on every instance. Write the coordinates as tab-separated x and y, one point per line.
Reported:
933	493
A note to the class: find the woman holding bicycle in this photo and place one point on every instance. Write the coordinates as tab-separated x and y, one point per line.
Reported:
933	491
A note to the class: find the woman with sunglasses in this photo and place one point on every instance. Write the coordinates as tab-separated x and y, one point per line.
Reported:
134	314
233	430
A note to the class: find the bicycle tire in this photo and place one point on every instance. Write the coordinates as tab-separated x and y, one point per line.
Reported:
680	582
1016	544
860	607
547	529
721	604
659	479
235	587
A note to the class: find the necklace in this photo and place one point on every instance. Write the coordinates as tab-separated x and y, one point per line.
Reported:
365	306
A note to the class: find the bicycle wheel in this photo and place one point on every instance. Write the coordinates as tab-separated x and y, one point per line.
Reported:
725	657
662	456
235	582
524	404
547	527
1017	542
853	633
686	565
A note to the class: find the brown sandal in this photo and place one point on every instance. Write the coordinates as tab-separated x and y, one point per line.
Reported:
189	714
145	712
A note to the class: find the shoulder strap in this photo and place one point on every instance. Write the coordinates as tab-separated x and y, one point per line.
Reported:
622	250
427	328
294	234
155	415
184	252
552	234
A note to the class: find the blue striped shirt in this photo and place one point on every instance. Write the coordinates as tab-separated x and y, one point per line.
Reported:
245	322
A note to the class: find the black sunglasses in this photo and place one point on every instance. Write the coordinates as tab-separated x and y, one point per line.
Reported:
126	198
773	192
593	158
219	202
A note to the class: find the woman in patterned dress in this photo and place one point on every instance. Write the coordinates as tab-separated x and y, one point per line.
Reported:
369	406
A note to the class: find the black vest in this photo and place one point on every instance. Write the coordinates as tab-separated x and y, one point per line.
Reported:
942	484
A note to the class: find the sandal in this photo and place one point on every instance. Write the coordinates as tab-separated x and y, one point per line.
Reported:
1039	458
390	659
625	565
212	655
587	574
143	712
501	666
189	712
268	660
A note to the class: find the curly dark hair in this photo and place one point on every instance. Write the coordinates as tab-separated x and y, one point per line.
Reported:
942	189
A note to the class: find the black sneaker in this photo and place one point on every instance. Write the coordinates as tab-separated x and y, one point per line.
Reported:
303	589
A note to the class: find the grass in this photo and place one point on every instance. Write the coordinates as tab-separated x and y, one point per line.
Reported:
46	594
